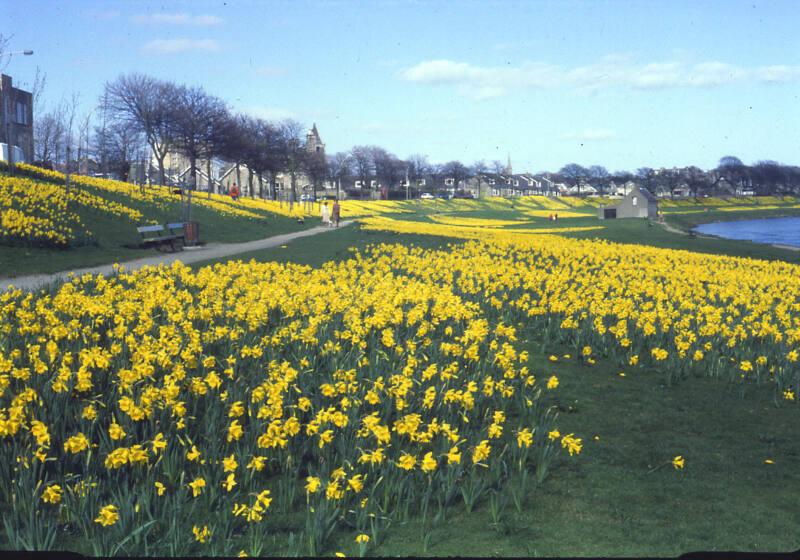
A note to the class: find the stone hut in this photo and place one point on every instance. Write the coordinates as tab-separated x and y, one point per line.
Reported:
639	203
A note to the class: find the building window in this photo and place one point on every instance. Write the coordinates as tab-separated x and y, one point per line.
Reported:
448	182
22	113
373	184
358	184
635	200
421	182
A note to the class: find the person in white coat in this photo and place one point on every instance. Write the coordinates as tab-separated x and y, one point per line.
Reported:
326	214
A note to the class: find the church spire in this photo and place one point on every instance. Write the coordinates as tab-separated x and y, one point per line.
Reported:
508	170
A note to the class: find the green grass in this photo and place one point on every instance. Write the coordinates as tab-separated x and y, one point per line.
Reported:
621	496
332	246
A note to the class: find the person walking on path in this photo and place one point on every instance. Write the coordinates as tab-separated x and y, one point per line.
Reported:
326	214
234	192
335	215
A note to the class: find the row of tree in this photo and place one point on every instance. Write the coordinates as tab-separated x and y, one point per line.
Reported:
142	119
764	177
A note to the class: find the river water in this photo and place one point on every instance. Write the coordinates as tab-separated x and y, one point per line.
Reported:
781	231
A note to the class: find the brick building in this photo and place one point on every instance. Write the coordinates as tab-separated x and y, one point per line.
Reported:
16	119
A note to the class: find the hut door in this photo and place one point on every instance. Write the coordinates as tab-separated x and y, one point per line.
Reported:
610	213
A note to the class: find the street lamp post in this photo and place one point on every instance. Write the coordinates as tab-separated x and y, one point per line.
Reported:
7	112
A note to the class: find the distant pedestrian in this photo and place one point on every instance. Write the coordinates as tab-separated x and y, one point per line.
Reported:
335	215
234	192
326	214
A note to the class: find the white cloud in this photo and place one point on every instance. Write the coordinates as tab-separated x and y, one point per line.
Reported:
203	20
483	82
589	135
172	46
778	73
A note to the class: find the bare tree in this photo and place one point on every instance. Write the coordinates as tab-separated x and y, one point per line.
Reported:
479	169
418	167
292	131
769	177
148	104
600	177
48	136
194	118
457	172
235	144
317	169
84	134
362	164
574	173
436	171
216	128
389	170
623	177
340	167
732	170
124	145
646	176
71	109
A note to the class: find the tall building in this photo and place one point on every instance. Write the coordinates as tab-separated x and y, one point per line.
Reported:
314	142
16	119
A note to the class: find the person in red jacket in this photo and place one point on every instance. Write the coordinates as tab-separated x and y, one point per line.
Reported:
234	192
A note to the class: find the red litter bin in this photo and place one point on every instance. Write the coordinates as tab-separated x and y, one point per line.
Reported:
191	233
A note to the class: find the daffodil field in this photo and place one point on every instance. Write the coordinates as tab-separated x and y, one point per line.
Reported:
360	392
169	411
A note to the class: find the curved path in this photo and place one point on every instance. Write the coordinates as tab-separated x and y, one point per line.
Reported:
206	252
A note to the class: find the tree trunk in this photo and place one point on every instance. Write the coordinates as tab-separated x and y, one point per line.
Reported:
260	185
208	174
238	176
250	183
192	187
293	197
161	172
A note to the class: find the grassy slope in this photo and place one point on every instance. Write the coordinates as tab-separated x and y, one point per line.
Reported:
117	238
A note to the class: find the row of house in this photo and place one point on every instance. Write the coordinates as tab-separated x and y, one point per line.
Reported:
221	176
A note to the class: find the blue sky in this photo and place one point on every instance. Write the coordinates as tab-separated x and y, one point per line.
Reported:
617	83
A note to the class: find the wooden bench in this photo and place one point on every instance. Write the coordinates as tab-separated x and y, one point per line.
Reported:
176	229
156	236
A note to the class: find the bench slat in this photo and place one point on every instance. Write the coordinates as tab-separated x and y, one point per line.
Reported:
147	229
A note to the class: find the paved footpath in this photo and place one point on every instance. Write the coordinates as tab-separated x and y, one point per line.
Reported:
206	252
